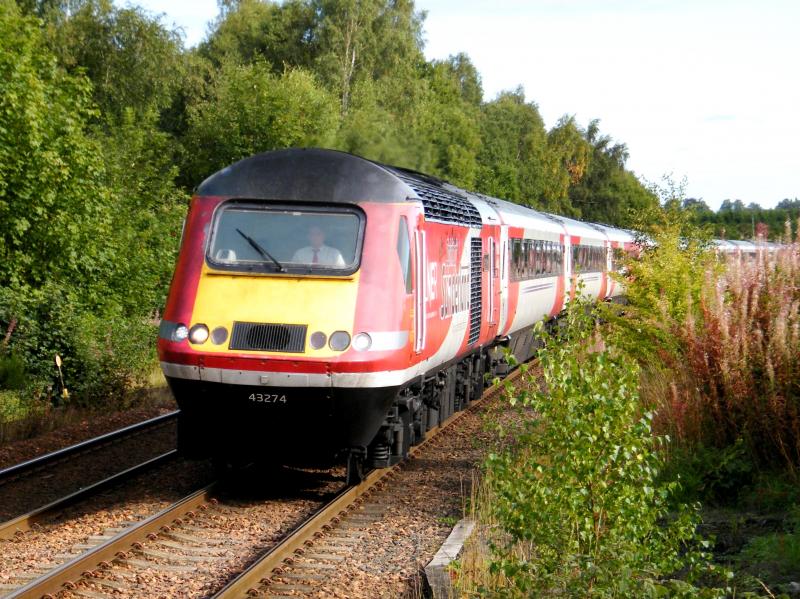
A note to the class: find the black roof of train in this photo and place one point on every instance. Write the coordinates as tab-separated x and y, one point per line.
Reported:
331	176
308	175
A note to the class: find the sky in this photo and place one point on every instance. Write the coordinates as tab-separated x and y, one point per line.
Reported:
705	90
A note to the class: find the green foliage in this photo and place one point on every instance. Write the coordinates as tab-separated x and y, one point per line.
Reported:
366	39
12	372
250	110
132	60
109	355
49	167
579	496
712	475
608	193
256	30
88	222
148	210
513	158
725	331
779	551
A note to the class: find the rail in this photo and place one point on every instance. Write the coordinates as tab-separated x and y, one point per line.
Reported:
56	456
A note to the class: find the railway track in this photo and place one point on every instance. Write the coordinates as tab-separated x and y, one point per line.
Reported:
91	445
186	534
313	550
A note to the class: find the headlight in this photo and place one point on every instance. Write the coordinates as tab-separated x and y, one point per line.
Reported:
362	342
318	339
219	335
339	341
198	334
180	333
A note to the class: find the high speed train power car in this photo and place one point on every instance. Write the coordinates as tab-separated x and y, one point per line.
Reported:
326	305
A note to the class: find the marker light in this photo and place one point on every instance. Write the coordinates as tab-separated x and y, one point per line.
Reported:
318	339
180	333
362	342
198	334
219	335
339	341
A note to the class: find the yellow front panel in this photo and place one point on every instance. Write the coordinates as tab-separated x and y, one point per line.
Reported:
325	305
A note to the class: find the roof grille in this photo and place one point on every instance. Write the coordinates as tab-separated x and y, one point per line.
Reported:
444	206
290	338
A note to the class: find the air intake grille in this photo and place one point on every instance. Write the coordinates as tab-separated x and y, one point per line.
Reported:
443	206
475	289
269	337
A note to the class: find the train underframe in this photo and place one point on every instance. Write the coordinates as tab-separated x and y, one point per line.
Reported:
371	428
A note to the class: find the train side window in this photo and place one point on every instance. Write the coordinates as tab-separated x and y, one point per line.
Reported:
404	252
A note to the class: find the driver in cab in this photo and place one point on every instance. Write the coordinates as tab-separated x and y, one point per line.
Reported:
317	253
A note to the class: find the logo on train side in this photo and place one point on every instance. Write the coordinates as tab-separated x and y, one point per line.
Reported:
455	282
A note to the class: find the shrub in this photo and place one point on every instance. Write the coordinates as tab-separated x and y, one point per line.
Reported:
577	494
12	372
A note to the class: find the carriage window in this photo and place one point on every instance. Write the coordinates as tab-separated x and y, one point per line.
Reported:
251	237
589	258
404	252
534	258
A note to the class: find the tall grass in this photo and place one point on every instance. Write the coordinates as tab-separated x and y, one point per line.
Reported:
732	370
717	340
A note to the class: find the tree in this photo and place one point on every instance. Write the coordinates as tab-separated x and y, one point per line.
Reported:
284	35
609	193
513	159
366	39
132	60
50	170
249	109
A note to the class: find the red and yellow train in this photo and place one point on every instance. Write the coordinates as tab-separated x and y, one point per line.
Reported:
324	304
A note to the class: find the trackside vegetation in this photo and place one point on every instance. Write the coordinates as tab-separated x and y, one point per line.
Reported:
655	451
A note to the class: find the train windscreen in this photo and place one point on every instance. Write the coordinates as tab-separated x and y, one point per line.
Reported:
249	238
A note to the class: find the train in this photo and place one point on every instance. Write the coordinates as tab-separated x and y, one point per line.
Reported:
328	307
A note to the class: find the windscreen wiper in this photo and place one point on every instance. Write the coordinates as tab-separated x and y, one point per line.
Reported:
264	253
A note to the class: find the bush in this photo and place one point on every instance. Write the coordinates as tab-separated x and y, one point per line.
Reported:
578	494
12	372
111	355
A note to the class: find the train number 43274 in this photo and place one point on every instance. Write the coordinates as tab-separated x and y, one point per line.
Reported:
267	398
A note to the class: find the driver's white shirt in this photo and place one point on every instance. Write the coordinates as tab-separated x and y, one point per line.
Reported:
327	256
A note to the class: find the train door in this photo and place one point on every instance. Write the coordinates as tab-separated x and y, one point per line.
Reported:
503	295
491	317
569	282
420	291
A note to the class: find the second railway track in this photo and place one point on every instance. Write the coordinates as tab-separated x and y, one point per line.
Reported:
53	458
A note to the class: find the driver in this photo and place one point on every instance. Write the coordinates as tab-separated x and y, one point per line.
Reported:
317	252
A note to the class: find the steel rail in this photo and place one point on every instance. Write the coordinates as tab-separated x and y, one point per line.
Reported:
326	518
67	575
56	456
25	522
